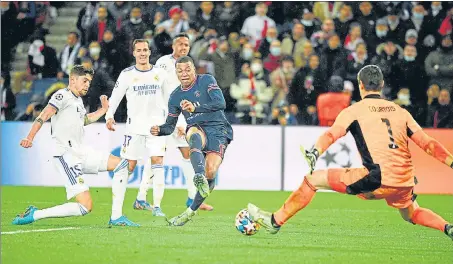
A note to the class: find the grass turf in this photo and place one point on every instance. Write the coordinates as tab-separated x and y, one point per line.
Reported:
334	228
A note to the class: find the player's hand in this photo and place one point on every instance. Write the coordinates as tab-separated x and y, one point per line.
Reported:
311	156
104	102
187	106
26	143
111	124
155	130
181	132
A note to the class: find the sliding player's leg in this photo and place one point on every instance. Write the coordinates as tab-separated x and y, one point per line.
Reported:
189	173
71	168
333	179
404	201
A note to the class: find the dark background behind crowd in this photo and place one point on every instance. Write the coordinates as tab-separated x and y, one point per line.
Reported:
281	63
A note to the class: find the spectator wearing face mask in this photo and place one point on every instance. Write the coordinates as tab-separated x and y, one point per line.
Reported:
132	29
442	115
94	53
417	20
293	45
272	61
436	15
439	64
104	22
378	36
367	19
411	75
252	93
69	54
281	80
42	60
397	27
265	44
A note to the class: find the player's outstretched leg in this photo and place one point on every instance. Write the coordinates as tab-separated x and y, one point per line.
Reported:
196	139
189	173
119	184
213	162
81	207
425	217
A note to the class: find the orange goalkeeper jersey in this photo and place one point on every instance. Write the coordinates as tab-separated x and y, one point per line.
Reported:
381	130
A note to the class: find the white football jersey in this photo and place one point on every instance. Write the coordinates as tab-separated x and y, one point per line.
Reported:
168	63
146	93
67	125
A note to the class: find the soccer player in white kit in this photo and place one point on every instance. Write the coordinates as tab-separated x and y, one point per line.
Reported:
147	92
181	47
71	158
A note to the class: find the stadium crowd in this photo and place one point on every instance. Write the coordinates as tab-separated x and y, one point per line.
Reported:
287	63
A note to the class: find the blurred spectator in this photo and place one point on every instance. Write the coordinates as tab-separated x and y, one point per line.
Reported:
294	45
228	14
367	19
439	64
42	60
307	84
234	42
310	22
132	29
96	30
245	56
151	9
306	53
330	104
343	21
271	35
327	10
26	19
403	99
120	11
333	57
102	84
272	61
281	80
115	56
224	71
417	20
85	19
386	58
9	28
378	36
177	23
319	38
208	38
31	113
397	28
255	27
282	115
441	116
411	75
163	40
68	55
356	61
206	18
99	62
436	15
8	100
354	37
252	93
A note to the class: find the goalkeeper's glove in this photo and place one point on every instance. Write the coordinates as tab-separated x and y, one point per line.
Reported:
311	156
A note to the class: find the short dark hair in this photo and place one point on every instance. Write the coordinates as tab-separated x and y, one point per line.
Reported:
180	35
79	70
371	77
138	41
184	59
75	34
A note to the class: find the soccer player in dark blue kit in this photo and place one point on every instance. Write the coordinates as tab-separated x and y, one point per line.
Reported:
208	132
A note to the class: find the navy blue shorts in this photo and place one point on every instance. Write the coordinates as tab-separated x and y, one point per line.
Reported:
217	138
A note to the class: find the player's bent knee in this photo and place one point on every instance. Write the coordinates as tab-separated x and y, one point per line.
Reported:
157	160
318	179
132	164
85	200
211	170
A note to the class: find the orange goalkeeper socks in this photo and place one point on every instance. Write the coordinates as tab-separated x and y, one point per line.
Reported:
426	217
296	202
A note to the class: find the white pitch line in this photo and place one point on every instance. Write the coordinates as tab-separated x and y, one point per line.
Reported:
39	230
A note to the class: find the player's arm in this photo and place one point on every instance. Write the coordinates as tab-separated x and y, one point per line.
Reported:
427	143
169	126
336	131
45	115
94	116
117	95
217	101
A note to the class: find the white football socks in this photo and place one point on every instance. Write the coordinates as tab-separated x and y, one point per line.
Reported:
147	178
158	184
119	184
188	175
63	210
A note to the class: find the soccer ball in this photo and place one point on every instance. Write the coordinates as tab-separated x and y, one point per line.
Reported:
245	225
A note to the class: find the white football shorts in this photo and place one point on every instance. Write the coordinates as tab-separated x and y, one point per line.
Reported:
135	147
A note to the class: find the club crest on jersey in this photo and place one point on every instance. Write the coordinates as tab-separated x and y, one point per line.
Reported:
197	93
81	181
156	78
59	97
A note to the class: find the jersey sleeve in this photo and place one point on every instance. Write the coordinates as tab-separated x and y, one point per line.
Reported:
58	101
336	131
117	95
174	110
217	101
160	63
412	125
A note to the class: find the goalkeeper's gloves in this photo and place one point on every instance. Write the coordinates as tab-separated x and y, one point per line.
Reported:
311	156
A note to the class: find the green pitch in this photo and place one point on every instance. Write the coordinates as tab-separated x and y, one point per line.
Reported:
333	229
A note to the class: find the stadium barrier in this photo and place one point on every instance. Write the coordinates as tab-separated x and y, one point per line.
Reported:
259	158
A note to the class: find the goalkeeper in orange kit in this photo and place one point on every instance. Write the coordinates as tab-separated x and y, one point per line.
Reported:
381	130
